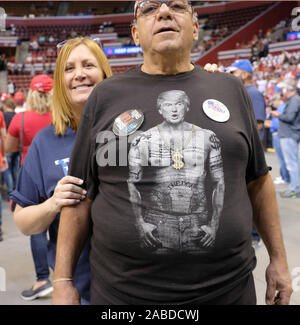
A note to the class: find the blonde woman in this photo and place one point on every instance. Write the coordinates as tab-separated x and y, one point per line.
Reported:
43	186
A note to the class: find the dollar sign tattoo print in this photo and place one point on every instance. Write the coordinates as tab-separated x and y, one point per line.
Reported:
177	158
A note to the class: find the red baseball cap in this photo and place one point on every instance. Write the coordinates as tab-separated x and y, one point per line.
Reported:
42	83
5	96
19	98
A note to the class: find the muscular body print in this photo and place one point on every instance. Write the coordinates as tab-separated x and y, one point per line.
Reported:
177	157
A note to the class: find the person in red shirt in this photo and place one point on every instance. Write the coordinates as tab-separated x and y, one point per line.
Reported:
3	161
36	117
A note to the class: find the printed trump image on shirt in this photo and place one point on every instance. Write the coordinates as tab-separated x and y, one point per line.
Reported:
176	181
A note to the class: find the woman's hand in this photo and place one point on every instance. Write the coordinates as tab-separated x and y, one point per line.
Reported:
212	67
4	165
67	192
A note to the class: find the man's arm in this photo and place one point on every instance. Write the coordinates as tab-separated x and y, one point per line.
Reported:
266	219
73	232
290	112
3	139
12	144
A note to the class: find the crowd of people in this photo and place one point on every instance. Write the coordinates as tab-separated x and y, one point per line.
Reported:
42	55
172	223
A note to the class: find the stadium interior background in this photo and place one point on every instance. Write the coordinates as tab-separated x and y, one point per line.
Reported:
261	31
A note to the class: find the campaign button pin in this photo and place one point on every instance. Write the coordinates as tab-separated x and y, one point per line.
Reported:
128	122
216	110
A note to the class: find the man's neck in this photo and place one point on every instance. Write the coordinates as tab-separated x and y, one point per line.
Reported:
164	65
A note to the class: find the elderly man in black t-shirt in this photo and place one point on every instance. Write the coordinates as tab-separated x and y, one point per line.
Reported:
123	272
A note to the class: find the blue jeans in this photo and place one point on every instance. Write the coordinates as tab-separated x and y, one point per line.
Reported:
84	302
290	149
255	235
284	173
8	181
10	175
39	252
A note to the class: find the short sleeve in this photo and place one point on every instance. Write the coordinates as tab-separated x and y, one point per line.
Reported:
29	188
83	162
2	121
14	126
259	106
257	166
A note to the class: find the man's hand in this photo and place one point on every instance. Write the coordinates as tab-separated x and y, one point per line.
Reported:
275	113
209	237
146	233
65	294
279	287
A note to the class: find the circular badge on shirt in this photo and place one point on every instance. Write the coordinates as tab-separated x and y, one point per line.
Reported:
128	122
216	110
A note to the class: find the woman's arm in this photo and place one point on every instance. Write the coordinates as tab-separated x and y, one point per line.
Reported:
35	219
12	144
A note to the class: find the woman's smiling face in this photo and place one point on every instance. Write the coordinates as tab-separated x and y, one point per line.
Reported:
82	74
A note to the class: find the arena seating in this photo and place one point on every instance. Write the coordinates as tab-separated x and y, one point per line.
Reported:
43	58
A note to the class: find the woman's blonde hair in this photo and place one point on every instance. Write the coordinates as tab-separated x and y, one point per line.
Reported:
62	114
38	102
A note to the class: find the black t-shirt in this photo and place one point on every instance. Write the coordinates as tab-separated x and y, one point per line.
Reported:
8	116
179	192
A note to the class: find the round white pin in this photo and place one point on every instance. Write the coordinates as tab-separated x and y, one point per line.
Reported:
216	110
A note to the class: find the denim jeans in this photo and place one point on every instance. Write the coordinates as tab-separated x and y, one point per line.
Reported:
10	175
284	173
255	235
39	251
84	302
290	149
8	180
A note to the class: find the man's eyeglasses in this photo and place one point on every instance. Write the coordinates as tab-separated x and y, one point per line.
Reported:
61	44
149	8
